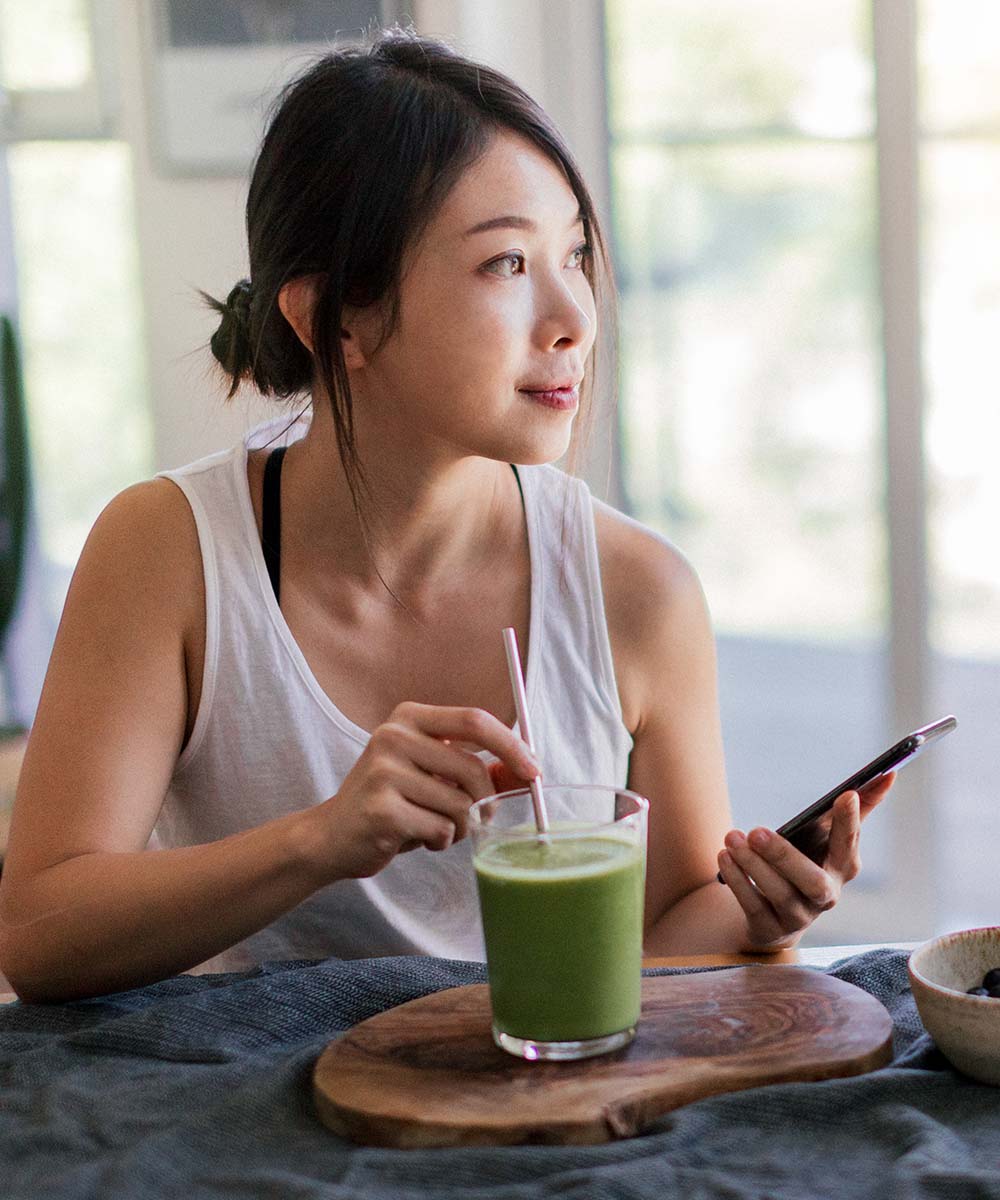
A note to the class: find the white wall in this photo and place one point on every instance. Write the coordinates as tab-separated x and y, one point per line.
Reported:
191	231
190	235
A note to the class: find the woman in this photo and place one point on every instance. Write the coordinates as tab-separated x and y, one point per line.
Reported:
279	680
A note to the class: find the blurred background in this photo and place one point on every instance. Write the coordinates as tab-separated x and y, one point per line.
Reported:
801	200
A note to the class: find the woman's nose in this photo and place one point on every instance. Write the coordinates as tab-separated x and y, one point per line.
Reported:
566	315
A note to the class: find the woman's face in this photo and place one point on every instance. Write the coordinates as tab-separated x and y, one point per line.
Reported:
486	315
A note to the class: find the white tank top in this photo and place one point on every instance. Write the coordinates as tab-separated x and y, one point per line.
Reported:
269	741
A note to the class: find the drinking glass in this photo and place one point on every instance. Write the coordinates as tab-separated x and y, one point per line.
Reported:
562	915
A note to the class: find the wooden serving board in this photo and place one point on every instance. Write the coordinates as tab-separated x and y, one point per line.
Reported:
427	1073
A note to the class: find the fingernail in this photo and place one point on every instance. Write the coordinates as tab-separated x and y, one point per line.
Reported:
760	838
735	839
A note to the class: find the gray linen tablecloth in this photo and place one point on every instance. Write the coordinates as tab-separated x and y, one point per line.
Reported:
200	1087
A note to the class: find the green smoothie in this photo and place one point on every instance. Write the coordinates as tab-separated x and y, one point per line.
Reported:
563	927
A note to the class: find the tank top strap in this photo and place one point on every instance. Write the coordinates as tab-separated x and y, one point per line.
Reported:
271	539
570	634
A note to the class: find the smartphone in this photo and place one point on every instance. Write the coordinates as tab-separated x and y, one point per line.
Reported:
803	830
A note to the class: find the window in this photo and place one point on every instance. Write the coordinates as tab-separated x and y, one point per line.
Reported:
72	272
959	146
758	431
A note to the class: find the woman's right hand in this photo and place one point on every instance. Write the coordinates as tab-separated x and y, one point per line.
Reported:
413	785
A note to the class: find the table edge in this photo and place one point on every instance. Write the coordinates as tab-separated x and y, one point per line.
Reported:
803	956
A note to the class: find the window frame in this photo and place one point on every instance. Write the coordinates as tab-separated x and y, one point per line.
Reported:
901	905
66	114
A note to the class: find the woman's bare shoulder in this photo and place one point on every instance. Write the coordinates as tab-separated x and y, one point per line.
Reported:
653	600
642	567
148	532
139	580
152	510
156	499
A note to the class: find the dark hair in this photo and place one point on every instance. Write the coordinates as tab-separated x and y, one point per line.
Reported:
359	154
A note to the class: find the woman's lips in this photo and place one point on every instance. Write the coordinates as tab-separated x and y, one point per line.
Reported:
562	398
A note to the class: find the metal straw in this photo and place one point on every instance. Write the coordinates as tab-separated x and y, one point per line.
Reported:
521	703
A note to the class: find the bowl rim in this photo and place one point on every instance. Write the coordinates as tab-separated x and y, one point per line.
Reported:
939	988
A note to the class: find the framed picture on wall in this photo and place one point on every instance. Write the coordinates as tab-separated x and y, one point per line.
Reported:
215	65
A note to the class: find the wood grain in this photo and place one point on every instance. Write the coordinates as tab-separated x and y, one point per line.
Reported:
427	1073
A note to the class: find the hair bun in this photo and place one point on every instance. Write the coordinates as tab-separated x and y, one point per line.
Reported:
231	342
238	301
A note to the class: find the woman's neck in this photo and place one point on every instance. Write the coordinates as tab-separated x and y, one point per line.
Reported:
430	524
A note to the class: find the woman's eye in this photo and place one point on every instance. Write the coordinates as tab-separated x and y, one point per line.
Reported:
583	250
507	258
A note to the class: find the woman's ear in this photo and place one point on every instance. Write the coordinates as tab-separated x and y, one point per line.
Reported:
297	300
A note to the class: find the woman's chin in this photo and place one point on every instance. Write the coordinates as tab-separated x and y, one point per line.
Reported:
539	450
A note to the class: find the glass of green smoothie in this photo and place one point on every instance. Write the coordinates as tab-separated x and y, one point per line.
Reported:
562	917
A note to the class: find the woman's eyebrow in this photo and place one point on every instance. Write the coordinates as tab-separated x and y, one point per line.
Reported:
514	222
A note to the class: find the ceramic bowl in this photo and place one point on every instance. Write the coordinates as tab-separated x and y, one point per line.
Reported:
965	1028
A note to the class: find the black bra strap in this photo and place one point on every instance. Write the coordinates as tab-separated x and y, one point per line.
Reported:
272	515
518	478
271	539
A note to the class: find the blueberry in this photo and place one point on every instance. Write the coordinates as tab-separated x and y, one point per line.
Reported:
995	992
978	991
992	978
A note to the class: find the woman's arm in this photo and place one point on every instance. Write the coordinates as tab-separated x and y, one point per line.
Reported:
85	908
666	664
666	668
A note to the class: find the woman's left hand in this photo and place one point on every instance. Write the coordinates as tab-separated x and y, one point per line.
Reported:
780	889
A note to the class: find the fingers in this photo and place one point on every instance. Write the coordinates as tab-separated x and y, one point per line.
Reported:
407	808
875	793
780	889
504	779
791	882
415	770
760	915
843	857
472	725
421	802
435	756
436	796
420	825
419	783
